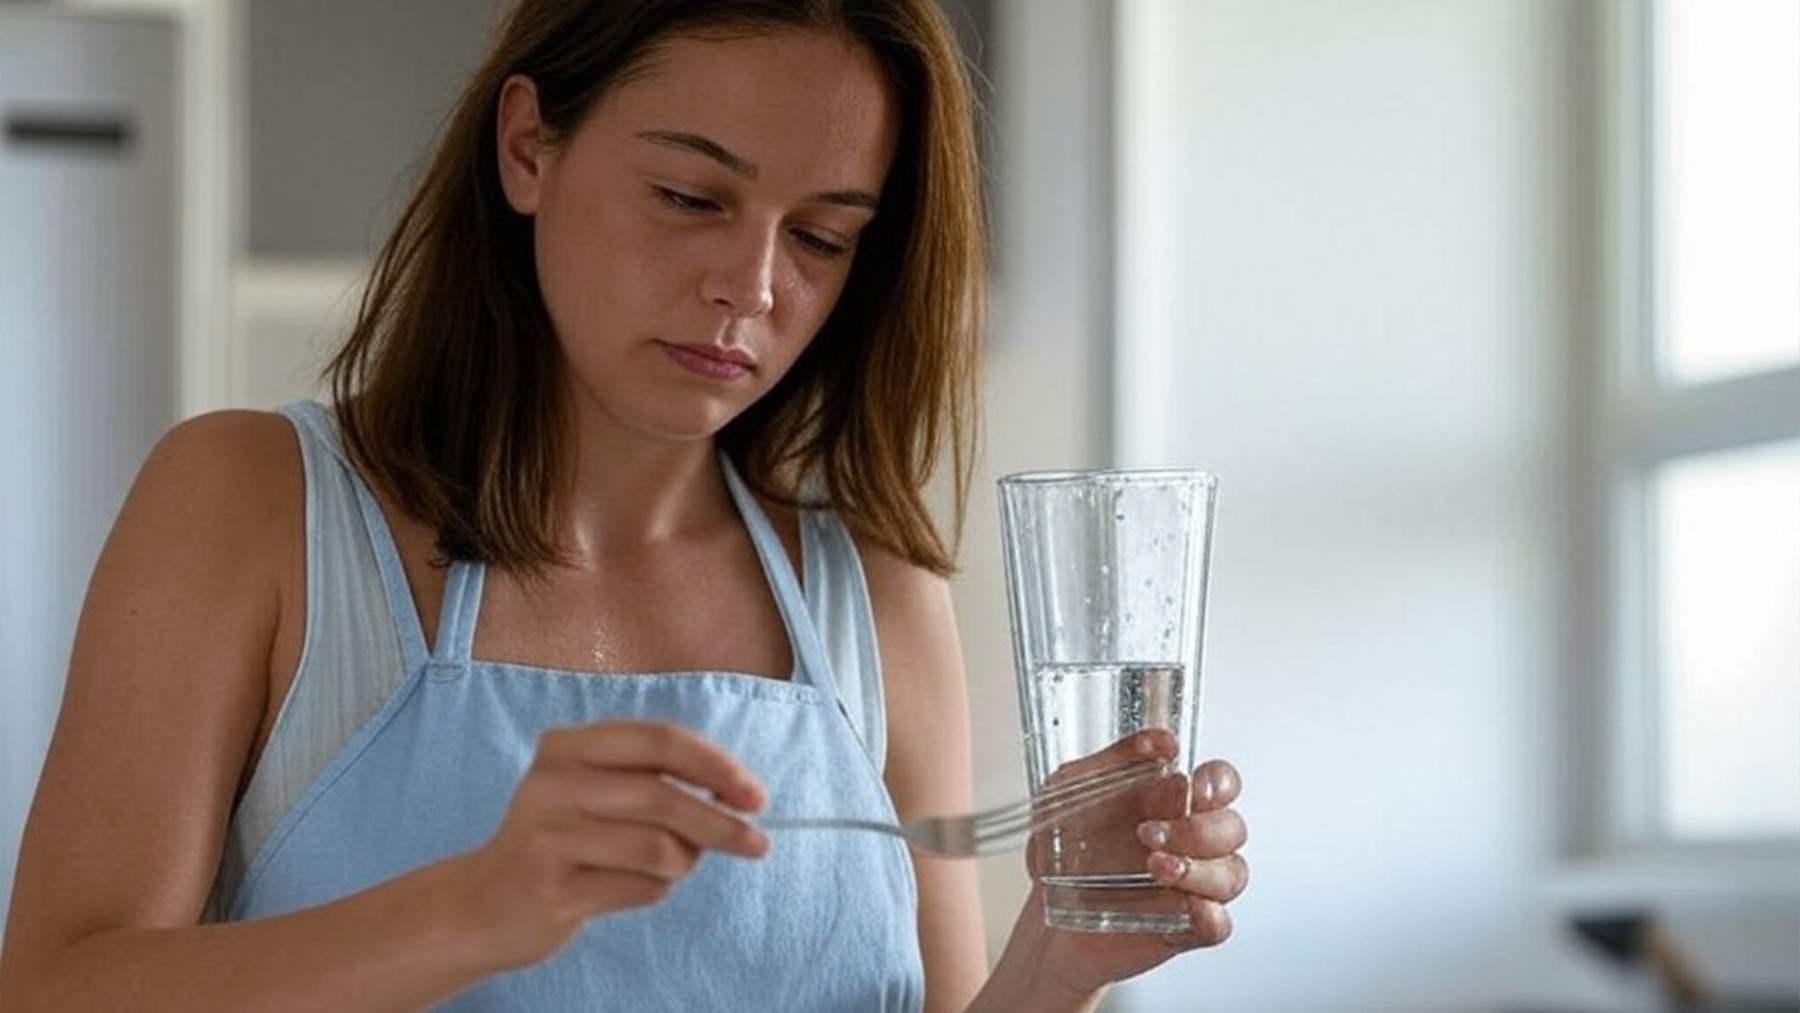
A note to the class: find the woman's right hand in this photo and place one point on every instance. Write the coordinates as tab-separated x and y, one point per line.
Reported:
595	826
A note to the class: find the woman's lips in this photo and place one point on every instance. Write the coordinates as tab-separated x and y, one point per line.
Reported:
710	361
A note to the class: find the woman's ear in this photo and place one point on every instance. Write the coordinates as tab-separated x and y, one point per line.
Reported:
523	149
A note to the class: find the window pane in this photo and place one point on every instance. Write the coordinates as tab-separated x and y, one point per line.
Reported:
1730	146
1728	614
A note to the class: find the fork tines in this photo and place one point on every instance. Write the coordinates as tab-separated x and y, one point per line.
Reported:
1055	803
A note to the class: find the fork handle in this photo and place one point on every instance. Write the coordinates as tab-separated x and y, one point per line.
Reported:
782	823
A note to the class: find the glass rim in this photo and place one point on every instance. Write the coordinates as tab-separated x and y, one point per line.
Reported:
1109	476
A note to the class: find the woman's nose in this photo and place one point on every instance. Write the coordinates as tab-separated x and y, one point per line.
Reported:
742	282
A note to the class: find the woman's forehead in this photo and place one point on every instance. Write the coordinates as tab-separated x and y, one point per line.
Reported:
799	100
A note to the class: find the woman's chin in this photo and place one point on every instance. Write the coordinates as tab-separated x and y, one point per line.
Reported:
695	424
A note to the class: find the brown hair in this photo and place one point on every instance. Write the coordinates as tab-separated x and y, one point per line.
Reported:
446	389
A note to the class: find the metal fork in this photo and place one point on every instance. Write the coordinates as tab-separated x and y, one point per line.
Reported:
991	831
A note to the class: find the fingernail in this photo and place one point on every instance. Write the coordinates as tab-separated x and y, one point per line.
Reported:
1168	868
1153	833
1206	790
754	791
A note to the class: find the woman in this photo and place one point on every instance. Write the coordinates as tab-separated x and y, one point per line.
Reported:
406	703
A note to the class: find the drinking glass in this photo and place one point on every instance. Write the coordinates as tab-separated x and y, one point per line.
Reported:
1106	574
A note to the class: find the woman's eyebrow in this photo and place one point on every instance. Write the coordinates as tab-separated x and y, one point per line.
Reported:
702	146
849	198
698	144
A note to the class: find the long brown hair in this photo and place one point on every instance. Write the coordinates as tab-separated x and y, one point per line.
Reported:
447	388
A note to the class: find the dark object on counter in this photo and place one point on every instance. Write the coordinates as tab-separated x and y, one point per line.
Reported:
1633	940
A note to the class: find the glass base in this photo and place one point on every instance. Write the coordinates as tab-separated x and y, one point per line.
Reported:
1114	907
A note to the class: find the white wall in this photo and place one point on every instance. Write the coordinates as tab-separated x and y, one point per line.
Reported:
1345	228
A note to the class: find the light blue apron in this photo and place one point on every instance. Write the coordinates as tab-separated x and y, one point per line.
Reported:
826	922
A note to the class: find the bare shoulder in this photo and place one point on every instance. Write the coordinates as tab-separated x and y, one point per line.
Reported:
902	593
922	678
211	537
253	455
214	519
218	509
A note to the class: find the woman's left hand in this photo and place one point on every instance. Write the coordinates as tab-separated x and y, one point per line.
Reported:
1198	855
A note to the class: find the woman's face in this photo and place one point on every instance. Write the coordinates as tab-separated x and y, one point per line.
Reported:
695	231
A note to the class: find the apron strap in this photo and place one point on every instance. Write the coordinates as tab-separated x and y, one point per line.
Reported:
809	650
461	609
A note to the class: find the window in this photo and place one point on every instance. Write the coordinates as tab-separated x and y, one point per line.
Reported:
1726	135
1727	616
1700	427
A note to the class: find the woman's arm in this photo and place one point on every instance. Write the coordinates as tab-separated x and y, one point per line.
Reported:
168	687
928	770
928	762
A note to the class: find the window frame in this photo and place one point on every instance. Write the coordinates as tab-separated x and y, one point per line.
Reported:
1637	420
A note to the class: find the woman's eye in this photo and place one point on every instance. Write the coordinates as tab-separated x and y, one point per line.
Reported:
820	245
685	201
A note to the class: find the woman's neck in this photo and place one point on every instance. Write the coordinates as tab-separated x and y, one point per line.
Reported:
624	491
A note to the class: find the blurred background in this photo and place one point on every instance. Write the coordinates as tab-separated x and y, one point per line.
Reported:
1486	313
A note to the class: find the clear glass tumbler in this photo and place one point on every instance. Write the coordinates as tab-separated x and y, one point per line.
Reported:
1106	573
